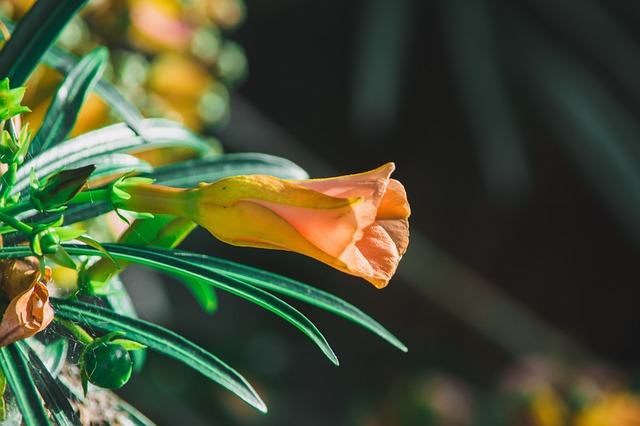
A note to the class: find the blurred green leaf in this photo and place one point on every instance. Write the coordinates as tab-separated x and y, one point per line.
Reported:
63	111
16	370
54	355
32	37
54	397
161	340
598	133
64	62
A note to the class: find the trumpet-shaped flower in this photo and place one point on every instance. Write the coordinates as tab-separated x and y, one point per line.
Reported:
357	224
29	310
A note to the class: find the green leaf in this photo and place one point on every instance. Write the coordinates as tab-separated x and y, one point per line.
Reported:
54	355
3	388
64	62
32	37
161	340
63	111
16	370
292	288
168	231
189	173
92	147
54	397
165	260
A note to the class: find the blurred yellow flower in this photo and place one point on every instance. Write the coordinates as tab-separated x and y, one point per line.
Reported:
617	409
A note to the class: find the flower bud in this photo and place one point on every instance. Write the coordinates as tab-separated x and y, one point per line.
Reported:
46	241
10	100
60	187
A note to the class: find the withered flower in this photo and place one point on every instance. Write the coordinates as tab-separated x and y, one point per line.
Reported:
29	311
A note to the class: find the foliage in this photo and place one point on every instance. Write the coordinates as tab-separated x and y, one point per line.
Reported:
56	185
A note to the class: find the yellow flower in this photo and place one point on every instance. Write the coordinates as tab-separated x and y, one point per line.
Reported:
357	224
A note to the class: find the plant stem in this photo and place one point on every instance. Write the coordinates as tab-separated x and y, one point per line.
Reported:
90	196
77	331
15	223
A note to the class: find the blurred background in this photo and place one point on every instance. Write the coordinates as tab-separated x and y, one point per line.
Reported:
514	128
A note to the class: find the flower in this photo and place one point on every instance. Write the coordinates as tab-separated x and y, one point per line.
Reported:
357	224
29	311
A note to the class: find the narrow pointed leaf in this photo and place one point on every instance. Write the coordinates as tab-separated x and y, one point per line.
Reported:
64	62
190	173
66	104
292	288
16	370
160	340
164	260
92	147
54	397
32	37
168	231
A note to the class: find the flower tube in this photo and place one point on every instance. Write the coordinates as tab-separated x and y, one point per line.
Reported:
357	223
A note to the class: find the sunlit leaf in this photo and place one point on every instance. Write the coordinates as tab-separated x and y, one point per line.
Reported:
32	37
54	397
16	370
63	111
160	340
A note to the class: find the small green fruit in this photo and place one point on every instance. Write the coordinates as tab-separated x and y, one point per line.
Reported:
107	365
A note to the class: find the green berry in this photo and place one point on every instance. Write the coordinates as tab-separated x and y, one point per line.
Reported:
107	365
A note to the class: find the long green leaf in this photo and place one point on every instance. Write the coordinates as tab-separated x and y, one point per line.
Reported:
169	231
16	370
292	288
161	340
64	62
34	34
66	104
166	261
92	147
54	397
190	173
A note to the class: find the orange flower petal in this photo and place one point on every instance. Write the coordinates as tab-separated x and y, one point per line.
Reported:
27	314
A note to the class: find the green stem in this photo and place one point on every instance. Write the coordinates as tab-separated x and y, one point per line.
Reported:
90	196
17	208
15	223
77	331
81	197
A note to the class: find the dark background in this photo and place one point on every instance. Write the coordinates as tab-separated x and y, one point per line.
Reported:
513	126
